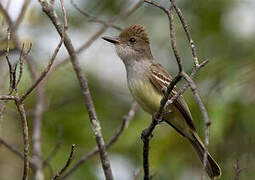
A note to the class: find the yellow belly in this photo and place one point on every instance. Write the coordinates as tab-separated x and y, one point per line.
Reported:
149	99
146	95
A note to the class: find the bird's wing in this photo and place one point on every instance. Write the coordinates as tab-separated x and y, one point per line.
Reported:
160	78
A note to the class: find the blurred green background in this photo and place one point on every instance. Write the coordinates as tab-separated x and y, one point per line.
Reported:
224	33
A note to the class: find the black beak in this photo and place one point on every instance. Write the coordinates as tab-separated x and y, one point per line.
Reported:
111	39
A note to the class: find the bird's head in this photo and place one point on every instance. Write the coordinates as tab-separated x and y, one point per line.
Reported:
132	43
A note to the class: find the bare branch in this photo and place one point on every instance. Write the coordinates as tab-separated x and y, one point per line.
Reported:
48	10
126	120
187	32
67	163
12	68
22	113
7	97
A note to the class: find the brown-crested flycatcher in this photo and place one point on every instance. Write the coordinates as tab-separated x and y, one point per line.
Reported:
147	81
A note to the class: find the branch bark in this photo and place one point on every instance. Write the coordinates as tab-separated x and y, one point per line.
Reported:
67	163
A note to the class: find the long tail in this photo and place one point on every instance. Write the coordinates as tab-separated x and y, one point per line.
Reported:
212	168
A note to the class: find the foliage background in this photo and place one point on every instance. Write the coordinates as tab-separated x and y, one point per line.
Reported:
224	33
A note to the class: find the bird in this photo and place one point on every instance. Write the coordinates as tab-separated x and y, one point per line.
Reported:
147	80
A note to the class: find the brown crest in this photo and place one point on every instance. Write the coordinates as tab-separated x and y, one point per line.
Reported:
135	30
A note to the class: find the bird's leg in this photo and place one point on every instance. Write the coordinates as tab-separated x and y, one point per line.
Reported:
146	135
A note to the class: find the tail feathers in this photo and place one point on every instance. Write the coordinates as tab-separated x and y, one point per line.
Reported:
212	168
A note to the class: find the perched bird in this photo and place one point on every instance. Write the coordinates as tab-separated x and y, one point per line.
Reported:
147	80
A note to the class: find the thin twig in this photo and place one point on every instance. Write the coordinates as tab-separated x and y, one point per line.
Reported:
20	65
204	114
15	151
21	110
46	70
95	19
186	85
126	120
67	163
173	40
187	32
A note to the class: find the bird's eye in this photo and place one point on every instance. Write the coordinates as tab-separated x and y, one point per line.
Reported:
132	40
